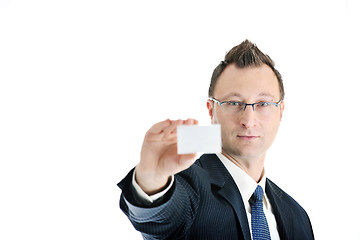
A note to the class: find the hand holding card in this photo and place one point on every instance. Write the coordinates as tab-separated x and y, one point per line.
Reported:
159	158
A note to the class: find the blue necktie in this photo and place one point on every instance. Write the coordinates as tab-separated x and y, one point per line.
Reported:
259	226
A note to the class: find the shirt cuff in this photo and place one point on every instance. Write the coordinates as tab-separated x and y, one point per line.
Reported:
153	197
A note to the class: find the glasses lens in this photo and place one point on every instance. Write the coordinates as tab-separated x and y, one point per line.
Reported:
233	107
265	107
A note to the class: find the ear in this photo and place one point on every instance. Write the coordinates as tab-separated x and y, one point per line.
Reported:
210	107
282	107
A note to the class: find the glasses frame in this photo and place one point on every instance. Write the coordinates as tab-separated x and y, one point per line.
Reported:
246	104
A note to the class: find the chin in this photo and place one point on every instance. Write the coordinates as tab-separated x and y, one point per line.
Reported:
244	154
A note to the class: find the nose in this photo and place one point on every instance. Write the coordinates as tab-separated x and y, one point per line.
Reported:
248	117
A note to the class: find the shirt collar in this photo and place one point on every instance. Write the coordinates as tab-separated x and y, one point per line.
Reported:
244	182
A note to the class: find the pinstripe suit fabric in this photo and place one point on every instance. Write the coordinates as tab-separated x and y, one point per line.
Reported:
205	203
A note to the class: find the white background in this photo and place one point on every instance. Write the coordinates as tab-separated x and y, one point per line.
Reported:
82	81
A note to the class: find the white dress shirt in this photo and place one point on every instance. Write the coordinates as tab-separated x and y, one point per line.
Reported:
246	186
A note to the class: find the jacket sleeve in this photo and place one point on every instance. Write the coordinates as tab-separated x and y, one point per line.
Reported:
169	217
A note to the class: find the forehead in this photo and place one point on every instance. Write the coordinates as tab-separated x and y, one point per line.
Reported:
247	83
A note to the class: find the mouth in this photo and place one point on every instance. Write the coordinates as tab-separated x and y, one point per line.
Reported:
247	137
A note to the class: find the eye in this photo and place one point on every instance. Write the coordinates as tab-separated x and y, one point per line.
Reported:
235	104
263	104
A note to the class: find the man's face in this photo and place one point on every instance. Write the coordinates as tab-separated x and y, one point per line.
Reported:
248	134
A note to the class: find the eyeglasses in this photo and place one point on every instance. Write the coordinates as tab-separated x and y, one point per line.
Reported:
234	107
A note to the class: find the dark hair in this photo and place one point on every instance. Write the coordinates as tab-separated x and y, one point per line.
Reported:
245	55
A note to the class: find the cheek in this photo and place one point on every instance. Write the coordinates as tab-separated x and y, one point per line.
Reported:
224	120
273	128
217	118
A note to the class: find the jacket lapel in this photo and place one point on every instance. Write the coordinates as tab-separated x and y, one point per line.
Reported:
223	183
281	210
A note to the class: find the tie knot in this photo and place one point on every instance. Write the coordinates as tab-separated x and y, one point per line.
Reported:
257	195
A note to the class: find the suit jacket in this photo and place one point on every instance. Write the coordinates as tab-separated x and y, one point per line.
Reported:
205	203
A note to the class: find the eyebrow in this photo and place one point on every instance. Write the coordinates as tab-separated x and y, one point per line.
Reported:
232	94
235	94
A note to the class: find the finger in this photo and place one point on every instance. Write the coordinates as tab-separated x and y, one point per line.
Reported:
160	126
185	157
172	127
190	121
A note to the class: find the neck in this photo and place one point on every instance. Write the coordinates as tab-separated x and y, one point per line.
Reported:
254	167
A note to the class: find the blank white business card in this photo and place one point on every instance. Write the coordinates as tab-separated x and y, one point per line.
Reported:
194	139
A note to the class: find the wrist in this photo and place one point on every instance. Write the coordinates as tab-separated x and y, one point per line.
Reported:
151	183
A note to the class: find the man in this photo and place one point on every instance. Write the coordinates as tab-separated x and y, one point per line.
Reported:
224	195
